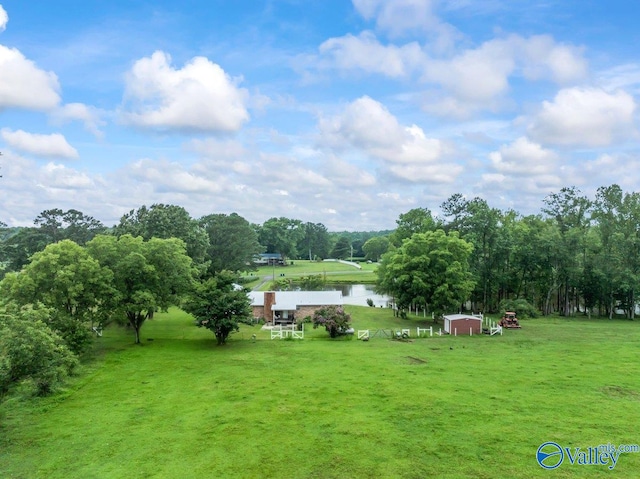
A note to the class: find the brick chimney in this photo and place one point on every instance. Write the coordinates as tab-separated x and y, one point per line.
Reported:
269	301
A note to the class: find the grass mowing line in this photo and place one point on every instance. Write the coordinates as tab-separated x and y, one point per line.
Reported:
337	272
479	407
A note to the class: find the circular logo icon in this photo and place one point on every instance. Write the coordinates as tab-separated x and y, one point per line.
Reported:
550	455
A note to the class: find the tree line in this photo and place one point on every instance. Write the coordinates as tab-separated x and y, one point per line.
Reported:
579	255
214	242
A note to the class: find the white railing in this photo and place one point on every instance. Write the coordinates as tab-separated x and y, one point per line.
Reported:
421	331
282	333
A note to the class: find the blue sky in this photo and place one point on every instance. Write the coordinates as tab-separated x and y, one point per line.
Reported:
344	113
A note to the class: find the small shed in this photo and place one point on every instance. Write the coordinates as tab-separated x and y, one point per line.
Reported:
463	324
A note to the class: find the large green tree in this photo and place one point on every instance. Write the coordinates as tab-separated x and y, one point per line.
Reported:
281	235
67	280
569	210
19	246
342	248
233	243
375	247
72	224
51	226
316	241
430	269
484	227
417	220
166	221
147	275
618	215
218	305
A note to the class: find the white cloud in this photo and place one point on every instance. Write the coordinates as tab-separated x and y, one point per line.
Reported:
466	82
364	123
369	127
479	78
364	52
90	116
228	150
54	145
476	75
30	186
347	174
200	96
24	85
619	168
523	158
522	172
65	178
166	176
626	77
4	19
399	17
584	116
543	57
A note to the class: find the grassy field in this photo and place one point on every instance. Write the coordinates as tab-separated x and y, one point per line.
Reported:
447	407
333	271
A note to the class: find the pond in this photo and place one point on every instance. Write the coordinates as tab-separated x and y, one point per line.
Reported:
357	294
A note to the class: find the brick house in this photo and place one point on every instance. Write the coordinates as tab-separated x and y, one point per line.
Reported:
284	307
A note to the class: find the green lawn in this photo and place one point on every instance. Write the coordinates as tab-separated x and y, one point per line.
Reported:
333	271
465	407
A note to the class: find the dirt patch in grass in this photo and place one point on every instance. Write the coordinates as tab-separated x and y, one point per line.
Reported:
414	360
620	392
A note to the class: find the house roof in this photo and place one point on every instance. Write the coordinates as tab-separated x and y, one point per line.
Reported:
453	317
256	297
290	300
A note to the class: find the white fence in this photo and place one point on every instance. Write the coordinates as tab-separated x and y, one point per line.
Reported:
363	334
281	332
493	327
366	334
423	331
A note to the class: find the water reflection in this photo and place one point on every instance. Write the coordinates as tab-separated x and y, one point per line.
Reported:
357	294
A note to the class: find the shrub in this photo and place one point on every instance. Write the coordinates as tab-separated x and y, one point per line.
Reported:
522	308
31	352
313	282
334	319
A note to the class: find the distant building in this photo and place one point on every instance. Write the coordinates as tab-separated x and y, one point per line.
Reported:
462	324
283	307
268	259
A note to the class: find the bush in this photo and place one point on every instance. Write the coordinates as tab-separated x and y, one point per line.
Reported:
334	319
30	352
76	334
522	308
313	282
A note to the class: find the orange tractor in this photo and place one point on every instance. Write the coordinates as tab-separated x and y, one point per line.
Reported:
509	321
